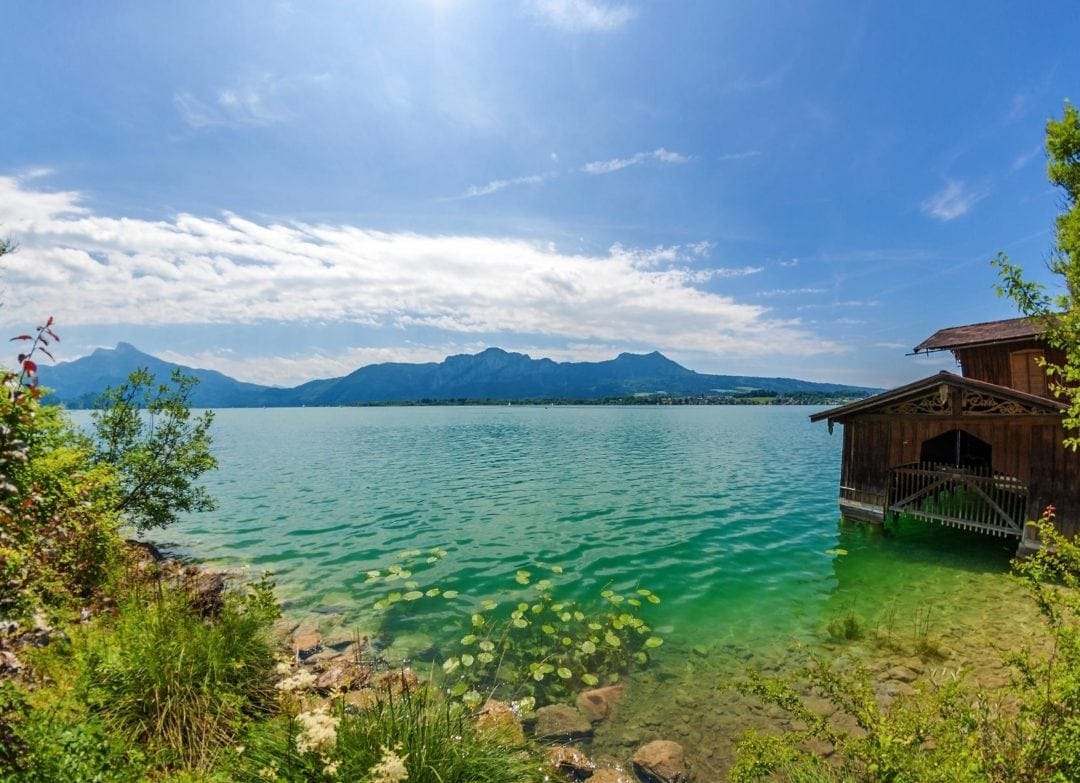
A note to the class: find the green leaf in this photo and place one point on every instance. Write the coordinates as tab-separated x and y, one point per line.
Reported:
612	640
432	592
520	622
467	660
588	647
653	641
468	639
590	679
485	657
448	594
487	645
522	577
565	673
413	595
653	599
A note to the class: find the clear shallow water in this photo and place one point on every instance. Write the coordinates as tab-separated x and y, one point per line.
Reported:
728	513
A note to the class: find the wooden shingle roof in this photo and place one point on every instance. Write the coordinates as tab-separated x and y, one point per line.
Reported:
1010	330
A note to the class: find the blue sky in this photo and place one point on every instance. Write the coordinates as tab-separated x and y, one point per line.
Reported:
284	191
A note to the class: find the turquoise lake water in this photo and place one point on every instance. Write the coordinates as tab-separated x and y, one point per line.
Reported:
728	513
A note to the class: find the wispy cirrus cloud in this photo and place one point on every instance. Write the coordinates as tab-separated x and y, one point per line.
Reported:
582	16
744	155
499	184
92	269
658	155
258	101
954	200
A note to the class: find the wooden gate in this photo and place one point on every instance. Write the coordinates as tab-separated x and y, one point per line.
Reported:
964	497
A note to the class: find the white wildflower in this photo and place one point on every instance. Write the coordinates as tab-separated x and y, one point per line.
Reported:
318	731
391	767
302	680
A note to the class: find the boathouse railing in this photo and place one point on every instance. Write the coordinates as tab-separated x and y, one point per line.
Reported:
966	497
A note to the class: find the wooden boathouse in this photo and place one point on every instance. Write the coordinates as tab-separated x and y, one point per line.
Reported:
981	450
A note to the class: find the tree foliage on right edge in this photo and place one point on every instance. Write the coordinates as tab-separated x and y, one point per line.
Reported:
147	433
1060	314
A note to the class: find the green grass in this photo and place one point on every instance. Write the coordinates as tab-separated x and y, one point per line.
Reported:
436	738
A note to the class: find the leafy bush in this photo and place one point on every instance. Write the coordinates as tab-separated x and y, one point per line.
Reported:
57	527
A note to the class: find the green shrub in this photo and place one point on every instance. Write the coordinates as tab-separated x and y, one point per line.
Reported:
183	686
58	539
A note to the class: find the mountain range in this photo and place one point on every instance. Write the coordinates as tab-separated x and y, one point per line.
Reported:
492	374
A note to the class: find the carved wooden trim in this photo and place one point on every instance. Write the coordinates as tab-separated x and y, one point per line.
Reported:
980	403
928	404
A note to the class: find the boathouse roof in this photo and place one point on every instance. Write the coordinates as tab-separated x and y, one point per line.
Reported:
1010	400
971	335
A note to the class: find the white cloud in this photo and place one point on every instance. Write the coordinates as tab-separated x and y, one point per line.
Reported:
578	16
792	291
740	155
952	201
89	269
1025	158
659	155
258	101
498	184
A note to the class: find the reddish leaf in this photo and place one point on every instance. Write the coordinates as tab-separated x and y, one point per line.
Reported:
43	341
49	322
53	334
46	352
20	337
29	366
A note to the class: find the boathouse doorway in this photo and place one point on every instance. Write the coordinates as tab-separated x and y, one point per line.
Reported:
954	483
958	449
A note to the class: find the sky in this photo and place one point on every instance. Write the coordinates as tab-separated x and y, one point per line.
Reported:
285	191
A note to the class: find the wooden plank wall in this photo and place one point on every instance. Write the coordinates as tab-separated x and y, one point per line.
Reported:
990	363
1027	447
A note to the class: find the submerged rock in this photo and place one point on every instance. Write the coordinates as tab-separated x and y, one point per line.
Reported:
611	775
561	722
661	761
570	762
598	704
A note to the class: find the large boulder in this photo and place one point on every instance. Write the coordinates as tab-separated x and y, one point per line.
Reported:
661	761
561	722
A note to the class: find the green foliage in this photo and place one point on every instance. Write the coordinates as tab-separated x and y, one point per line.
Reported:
1029	731
57	530
53	743
1060	315
180	685
433	739
147	434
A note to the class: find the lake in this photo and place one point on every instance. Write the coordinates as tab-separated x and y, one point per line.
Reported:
728	513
